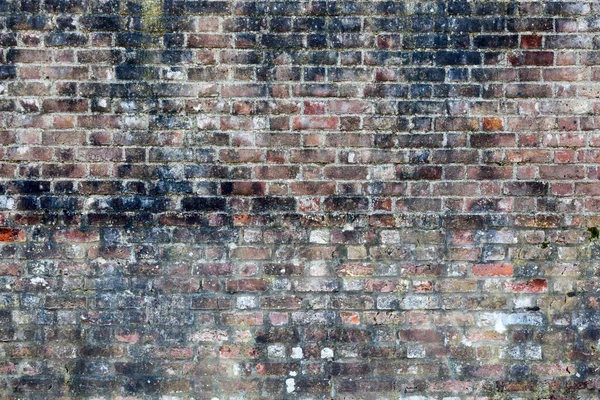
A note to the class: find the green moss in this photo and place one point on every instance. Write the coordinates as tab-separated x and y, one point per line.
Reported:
152	15
594	233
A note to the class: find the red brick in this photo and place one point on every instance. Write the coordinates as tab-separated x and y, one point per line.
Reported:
315	123
346	172
561	172
209	40
10	269
531	41
313	188
247	285
565	74
77	236
492	124
532	286
492	269
528	90
99	121
276	172
251	253
12	235
65	105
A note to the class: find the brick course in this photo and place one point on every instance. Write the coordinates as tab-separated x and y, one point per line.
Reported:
299	199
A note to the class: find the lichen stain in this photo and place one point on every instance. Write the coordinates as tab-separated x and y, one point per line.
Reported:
152	15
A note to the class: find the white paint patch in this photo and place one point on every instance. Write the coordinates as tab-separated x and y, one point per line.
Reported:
348	354
29	102
297	353
276	351
174	75
319	236
7	203
246	302
290	385
259	123
318	268
134	122
327	353
524	301
499	324
413	370
39	281
415	350
128	106
466	342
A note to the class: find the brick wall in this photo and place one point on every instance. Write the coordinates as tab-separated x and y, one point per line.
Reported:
299	199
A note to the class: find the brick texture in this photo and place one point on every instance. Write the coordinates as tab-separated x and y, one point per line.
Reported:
232	199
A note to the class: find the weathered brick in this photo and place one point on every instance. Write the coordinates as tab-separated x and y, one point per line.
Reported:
526	189
533	286
246	285
346	172
492	270
290	199
12	235
243	188
203	204
528	90
315	123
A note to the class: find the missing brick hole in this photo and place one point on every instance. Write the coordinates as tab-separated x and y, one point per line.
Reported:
594	233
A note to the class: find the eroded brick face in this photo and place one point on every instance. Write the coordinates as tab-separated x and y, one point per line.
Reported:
232	199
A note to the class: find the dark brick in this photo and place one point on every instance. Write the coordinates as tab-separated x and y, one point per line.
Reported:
65	40
495	41
269	204
347	204
203	204
101	22
526	189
